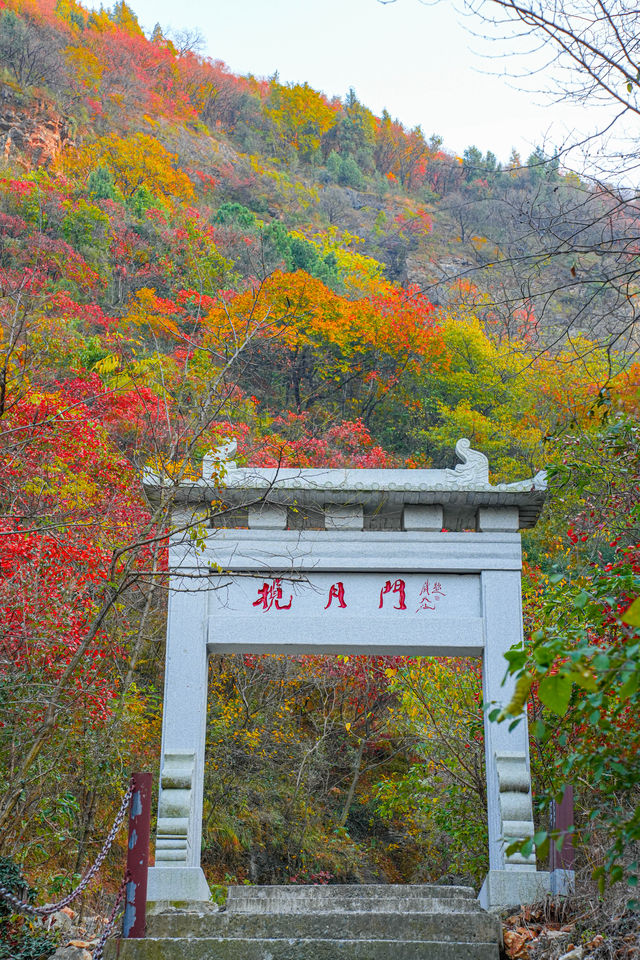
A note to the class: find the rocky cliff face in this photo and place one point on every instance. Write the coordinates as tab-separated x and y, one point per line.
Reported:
32	133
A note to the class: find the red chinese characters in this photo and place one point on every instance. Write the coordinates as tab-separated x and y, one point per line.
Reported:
270	595
398	586
392	596
336	592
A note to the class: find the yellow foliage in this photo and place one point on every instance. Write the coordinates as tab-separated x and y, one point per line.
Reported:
134	162
501	398
362	276
71	12
86	65
301	114
107	364
147	309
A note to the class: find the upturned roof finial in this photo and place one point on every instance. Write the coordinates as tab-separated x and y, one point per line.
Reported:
474	467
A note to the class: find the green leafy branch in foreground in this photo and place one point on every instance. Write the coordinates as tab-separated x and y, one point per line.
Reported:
583	665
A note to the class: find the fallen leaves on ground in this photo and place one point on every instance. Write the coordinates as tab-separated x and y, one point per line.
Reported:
538	933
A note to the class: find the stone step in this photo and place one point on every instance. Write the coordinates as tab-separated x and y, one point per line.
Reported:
363	891
471	926
214	948
333	922
341	898
343	905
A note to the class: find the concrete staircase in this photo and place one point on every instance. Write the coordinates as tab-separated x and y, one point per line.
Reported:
335	922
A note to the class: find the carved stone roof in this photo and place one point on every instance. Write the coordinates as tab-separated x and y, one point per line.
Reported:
463	489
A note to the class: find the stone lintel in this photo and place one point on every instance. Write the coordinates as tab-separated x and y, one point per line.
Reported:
305	551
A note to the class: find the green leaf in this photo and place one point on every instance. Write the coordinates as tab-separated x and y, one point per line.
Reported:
580	600
520	695
543	656
542	848
585	679
539	730
629	86
555	693
527	847
630	686
516	658
632	614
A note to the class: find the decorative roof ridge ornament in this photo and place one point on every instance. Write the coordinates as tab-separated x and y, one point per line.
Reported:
471	474
474	468
463	488
539	482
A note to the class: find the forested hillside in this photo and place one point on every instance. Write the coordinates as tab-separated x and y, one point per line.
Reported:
187	256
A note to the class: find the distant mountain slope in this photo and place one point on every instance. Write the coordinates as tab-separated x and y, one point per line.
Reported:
517	238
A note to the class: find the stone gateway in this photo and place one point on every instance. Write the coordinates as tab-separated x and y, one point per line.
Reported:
399	562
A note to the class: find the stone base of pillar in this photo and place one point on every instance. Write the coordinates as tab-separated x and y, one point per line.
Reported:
509	889
177	884
563	882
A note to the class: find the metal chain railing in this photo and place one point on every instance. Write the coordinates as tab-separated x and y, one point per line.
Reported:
106	933
22	906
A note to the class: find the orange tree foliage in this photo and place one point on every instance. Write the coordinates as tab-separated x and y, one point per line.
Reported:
320	345
400	155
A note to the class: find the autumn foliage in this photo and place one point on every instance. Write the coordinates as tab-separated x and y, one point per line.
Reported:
199	256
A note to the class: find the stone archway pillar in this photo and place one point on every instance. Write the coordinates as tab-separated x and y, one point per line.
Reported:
512	878
177	874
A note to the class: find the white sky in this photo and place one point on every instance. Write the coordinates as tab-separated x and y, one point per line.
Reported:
414	58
